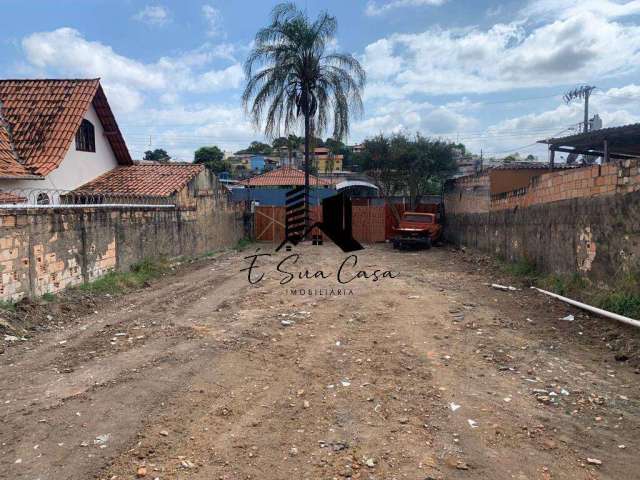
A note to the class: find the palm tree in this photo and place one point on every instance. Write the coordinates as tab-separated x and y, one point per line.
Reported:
292	74
293	143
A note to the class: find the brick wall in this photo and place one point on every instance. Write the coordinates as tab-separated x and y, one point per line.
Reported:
46	250
469	194
583	182
583	220
472	194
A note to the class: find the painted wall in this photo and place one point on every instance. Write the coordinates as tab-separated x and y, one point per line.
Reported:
77	168
256	163
276	196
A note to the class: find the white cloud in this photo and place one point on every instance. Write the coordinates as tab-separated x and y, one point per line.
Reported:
375	8
562	9
503	57
213	17
181	129
412	116
378	60
153	15
616	106
66	52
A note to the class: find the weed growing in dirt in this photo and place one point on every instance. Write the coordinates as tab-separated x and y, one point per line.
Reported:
565	285
522	268
243	243
48	297
623	303
623	298
120	282
8	306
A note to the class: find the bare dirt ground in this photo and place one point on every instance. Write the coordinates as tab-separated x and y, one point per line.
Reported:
430	375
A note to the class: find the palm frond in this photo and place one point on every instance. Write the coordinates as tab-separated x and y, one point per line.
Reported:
290	75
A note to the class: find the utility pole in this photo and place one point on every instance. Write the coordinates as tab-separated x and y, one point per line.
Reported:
581	92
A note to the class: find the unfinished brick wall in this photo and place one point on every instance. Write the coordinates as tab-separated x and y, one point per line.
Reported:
593	181
472	194
46	250
469	194
584	221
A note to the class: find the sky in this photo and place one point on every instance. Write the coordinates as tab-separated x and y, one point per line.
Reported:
488	74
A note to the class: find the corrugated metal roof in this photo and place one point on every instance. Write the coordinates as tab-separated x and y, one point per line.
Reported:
532	166
580	138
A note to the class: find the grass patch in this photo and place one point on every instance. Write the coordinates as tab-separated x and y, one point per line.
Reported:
622	303
623	297
115	283
522	268
48	297
243	244
565	285
7	306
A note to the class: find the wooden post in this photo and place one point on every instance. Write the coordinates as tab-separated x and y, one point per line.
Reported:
552	155
605	151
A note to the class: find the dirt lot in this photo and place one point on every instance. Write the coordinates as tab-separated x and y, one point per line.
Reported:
429	375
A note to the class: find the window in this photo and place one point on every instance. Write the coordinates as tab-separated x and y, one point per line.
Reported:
85	137
43	199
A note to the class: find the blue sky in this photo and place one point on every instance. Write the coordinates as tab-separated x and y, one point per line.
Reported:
489	74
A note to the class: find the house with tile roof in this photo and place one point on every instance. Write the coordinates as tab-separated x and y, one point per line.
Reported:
57	134
271	187
175	183
284	177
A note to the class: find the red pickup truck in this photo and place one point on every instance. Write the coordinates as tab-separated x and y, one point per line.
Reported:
417	229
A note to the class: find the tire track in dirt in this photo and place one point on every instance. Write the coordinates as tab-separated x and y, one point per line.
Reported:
227	383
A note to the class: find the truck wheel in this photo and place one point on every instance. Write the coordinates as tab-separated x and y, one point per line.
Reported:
428	243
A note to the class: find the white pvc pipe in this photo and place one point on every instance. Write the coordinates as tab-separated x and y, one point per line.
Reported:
598	311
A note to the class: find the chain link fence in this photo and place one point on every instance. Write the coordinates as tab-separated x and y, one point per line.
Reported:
42	198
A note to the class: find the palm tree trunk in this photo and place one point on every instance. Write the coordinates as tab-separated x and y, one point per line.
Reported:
307	165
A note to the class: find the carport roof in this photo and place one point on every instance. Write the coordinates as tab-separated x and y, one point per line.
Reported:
622	142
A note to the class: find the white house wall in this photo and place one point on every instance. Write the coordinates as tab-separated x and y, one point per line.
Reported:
77	168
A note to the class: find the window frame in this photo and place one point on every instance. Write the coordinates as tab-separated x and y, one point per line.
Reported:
86	137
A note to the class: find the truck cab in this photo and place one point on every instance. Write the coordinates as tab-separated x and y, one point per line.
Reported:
417	229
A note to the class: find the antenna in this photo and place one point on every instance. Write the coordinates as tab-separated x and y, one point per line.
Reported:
583	91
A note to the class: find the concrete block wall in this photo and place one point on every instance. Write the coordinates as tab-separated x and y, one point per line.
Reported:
584	220
47	250
596	237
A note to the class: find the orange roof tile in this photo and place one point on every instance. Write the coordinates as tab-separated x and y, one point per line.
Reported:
283	176
143	180
43	116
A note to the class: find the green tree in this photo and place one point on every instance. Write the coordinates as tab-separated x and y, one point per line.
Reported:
278	143
212	158
258	148
291	75
334	146
157	155
402	164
